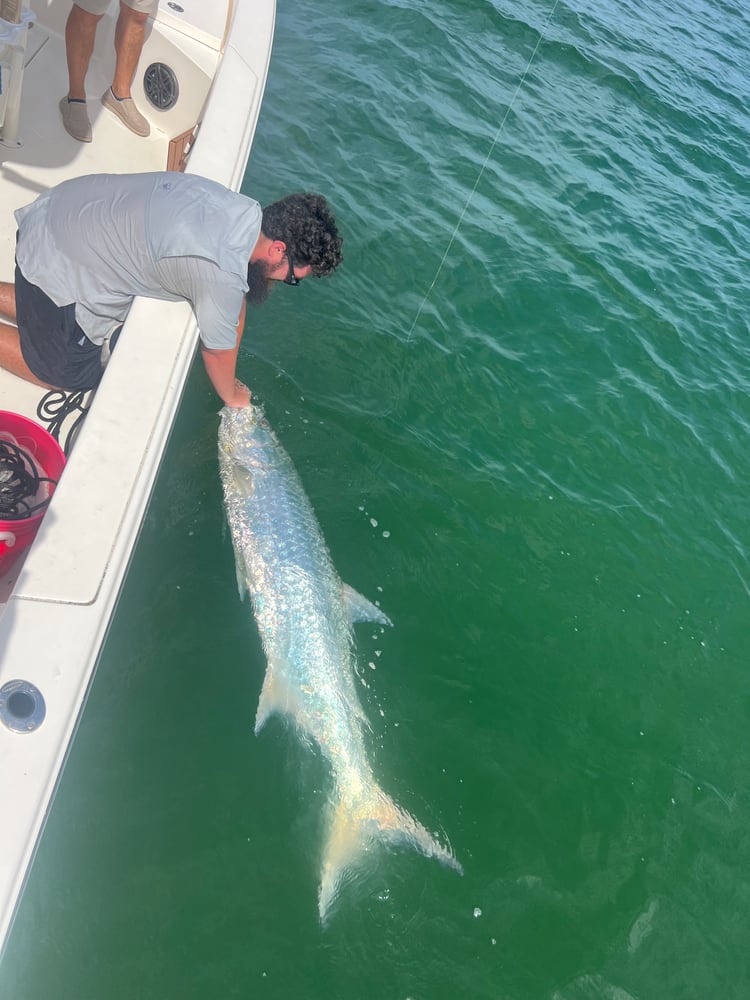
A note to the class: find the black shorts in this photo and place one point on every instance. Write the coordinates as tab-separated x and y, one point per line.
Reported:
53	345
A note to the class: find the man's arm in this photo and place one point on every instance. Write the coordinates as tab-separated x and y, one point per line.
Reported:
221	367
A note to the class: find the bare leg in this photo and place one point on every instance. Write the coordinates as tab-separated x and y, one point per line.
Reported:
8	300
80	33
11	358
130	35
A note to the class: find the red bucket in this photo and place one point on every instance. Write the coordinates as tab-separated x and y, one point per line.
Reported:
17	535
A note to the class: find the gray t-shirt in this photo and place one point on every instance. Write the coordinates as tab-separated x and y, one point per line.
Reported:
102	239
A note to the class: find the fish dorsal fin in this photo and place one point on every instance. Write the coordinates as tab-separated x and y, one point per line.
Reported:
360	609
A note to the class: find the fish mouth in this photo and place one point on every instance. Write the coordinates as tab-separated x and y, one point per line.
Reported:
238	420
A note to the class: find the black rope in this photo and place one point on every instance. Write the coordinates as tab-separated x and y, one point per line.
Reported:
19	483
54	409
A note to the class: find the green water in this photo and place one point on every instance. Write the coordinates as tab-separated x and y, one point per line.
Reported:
521	412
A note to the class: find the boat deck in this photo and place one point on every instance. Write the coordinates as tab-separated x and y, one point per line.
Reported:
48	155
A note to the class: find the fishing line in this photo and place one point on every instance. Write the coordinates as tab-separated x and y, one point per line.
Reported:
508	110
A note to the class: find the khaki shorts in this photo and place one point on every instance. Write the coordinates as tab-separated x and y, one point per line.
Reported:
100	7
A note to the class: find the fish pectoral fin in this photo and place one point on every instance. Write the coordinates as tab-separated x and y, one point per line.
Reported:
239	567
276	695
360	609
239	563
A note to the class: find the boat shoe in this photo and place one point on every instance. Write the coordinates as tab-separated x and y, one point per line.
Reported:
76	119
127	112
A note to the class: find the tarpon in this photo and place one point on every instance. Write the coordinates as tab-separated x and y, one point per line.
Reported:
304	615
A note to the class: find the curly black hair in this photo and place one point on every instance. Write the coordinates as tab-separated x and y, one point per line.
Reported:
305	223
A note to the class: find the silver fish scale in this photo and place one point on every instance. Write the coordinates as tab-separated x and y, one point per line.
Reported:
296	593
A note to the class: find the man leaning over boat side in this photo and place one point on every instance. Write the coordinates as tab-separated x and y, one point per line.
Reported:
80	34
86	248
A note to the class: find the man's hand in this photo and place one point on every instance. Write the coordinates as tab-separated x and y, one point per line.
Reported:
241	395
220	365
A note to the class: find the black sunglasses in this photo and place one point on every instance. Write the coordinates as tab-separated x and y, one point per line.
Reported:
291	277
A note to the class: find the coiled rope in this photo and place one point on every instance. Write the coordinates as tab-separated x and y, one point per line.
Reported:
56	406
20	483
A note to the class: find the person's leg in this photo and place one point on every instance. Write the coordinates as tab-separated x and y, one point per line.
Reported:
80	34
8	300
11	358
130	35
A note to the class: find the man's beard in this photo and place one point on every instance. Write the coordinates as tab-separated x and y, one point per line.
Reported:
258	282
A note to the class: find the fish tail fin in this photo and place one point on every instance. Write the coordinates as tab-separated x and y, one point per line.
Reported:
358	823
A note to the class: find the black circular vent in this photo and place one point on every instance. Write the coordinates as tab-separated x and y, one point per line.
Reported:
160	84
